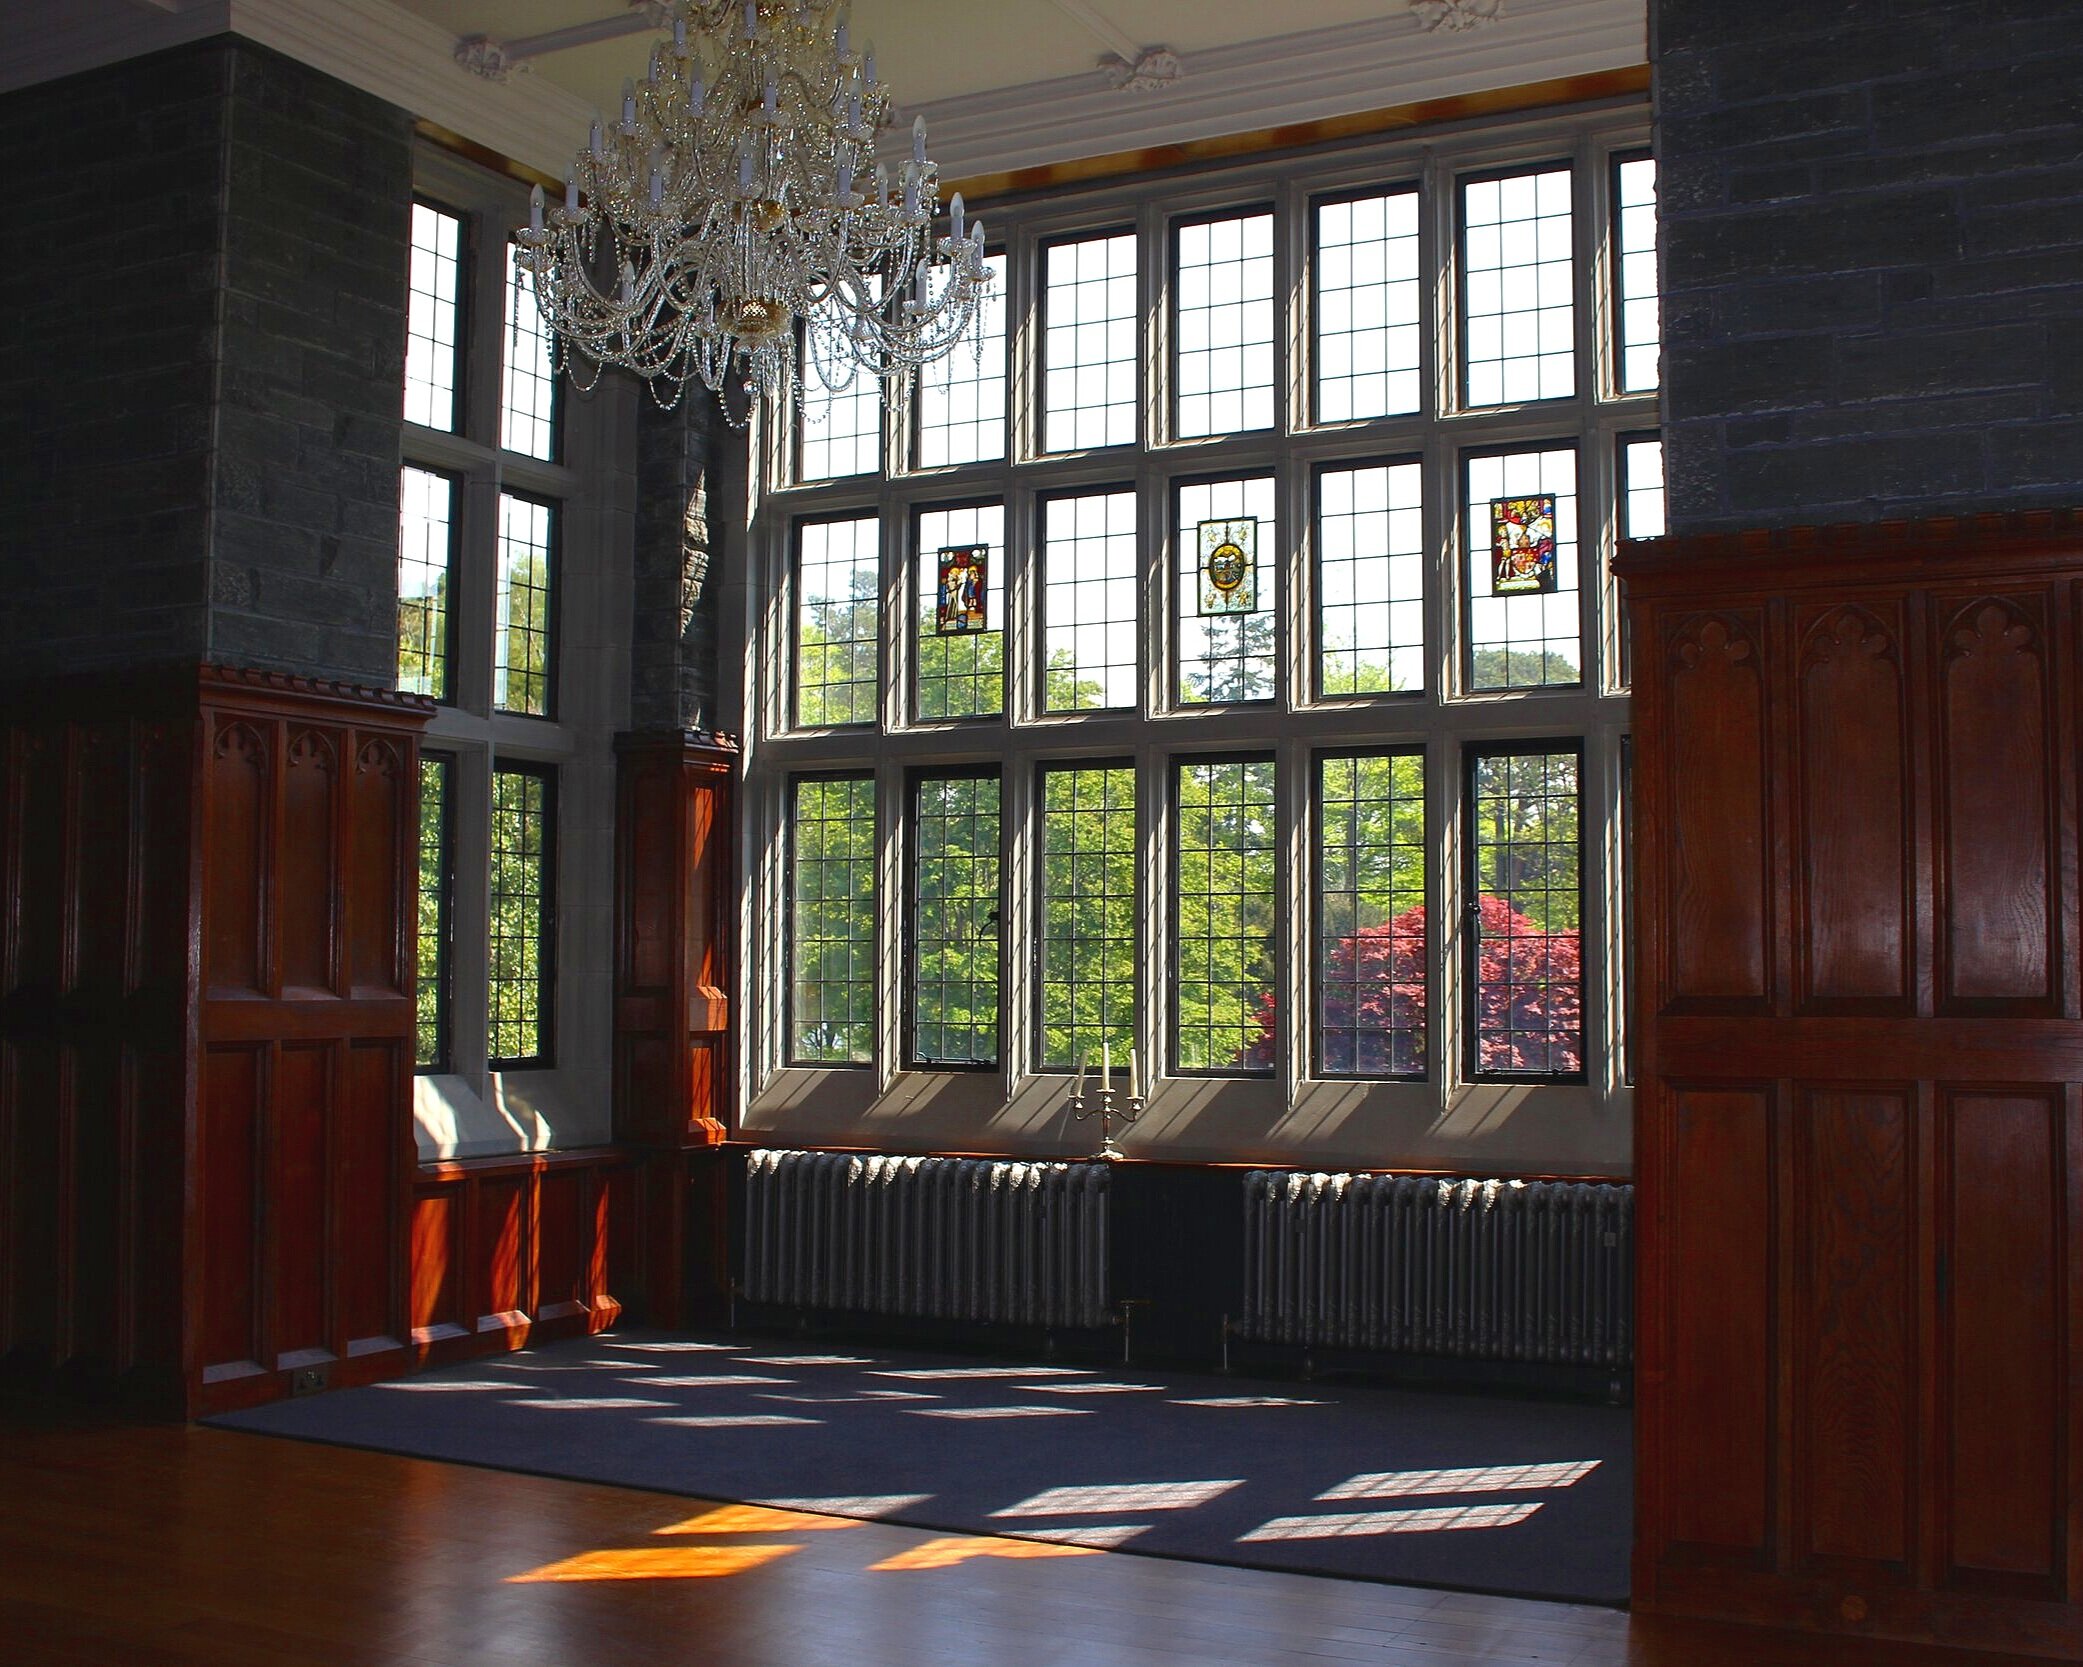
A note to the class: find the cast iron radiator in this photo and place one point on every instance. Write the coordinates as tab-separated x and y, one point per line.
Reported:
941	1238
1491	1270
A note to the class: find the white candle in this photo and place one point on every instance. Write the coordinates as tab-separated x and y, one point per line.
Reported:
628	105
571	196
1106	1061
535	209
954	210
1078	1088
918	140
1134	1072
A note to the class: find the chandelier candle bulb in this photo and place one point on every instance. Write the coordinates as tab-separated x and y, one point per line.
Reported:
918	140
679	37
571	195
628	106
954	211
535	210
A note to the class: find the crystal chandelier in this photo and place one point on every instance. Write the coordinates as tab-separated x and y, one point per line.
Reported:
739	193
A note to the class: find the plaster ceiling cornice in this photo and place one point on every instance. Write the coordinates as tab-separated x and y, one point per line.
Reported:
385	50
1387	61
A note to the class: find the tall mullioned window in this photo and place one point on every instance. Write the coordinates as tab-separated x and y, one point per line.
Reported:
483	522
1211	674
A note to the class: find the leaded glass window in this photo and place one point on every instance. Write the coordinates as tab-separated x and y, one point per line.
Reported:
1519	288
955	914
523	634
1526	879
838	620
426	581
523	892
1223	324
831	876
527	374
958	554
1370	579
1227	591
1524	628
1089	343
1087	893
961	398
1226	849
1088	552
1372	948
432	931
1369	312
433	321
1640	326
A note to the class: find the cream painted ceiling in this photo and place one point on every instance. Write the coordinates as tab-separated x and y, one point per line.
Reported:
929	50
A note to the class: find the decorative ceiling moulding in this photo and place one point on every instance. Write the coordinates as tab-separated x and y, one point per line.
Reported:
371	44
1456	15
1256	85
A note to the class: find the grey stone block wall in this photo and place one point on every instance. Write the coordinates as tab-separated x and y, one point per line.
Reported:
1872	249
674	648
317	222
108	330
200	382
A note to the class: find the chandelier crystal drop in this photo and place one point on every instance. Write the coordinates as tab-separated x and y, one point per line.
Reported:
740	192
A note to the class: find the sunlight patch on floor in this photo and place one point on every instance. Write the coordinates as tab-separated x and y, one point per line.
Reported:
677	1562
757	1519
852	1504
731	1420
1249	1401
1108	1498
945	1553
1489	1478
999	1412
953	1374
1445	1519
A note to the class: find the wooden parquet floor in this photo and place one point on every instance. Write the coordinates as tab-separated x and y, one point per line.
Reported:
137	1546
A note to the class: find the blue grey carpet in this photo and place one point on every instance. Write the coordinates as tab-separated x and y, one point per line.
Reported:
1483	1493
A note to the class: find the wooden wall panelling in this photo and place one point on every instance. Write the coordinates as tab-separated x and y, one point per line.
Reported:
509	1251
674	959
1996	877
1856	933
673	937
1859	1374
1717	943
308	822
